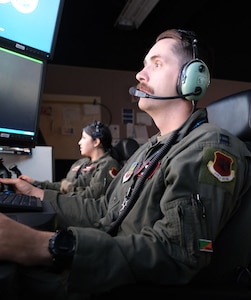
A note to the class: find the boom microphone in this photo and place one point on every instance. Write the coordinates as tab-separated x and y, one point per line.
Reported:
138	93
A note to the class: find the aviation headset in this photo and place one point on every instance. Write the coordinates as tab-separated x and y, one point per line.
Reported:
194	75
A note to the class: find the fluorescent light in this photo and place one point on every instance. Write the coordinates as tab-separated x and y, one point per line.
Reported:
134	13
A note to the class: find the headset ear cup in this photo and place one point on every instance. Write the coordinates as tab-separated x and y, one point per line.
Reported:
194	77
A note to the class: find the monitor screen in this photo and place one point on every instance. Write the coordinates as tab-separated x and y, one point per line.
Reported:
30	26
21	87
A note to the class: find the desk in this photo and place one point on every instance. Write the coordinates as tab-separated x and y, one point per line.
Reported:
45	220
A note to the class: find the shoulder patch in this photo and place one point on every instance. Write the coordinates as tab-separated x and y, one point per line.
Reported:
113	172
221	166
218	168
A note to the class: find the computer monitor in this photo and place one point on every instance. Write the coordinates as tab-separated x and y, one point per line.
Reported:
30	27
21	87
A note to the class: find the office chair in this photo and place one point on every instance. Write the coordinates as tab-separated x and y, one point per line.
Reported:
232	256
125	149
229	274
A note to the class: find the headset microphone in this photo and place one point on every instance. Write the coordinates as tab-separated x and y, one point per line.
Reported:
138	93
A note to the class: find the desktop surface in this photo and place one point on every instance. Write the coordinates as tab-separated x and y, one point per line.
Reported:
43	220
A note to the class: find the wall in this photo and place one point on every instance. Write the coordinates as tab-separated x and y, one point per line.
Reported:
112	87
62	119
39	165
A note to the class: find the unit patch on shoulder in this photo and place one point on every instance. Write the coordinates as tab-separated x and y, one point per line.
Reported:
113	172
221	167
218	168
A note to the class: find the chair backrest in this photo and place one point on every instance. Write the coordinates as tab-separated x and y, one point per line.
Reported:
233	113
125	149
232	249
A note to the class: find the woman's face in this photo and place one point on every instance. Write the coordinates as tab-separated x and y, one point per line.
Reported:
86	144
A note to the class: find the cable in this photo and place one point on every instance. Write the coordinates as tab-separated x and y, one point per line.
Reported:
135	192
106	108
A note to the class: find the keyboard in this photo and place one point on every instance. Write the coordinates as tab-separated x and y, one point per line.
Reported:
12	202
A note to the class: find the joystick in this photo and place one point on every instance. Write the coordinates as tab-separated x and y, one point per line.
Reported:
4	173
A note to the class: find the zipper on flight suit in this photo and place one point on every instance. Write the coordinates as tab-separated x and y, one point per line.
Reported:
196	201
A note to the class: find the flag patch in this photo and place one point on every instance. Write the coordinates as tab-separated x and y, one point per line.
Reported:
205	245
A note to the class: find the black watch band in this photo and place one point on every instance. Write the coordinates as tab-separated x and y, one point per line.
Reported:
62	247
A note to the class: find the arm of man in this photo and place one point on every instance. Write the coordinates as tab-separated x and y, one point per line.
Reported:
22	244
23	187
26	178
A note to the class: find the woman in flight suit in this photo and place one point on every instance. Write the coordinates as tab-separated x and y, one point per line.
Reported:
91	175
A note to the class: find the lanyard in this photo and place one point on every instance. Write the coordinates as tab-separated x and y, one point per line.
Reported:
136	173
143	165
134	190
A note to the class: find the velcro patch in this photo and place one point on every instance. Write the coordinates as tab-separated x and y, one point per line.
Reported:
113	172
205	245
218	168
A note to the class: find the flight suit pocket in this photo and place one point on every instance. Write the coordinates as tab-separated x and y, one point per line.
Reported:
188	225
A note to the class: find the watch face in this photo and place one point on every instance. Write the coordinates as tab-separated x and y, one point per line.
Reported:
62	248
62	243
65	243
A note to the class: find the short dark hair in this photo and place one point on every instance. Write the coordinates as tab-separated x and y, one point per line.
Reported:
185	47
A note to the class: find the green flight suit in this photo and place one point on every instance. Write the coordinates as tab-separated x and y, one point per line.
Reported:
168	234
88	179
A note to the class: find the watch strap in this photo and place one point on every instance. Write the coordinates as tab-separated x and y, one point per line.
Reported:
62	248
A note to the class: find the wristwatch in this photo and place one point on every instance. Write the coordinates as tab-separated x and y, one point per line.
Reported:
62	248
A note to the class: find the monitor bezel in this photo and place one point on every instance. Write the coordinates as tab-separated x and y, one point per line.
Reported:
19	47
13	141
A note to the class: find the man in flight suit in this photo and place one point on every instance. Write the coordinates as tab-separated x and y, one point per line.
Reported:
161	214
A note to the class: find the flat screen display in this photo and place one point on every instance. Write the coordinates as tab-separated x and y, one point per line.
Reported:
21	87
30	26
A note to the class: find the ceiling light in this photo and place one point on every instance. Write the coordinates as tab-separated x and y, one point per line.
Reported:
134	13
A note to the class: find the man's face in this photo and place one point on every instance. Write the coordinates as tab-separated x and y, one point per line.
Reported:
160	73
